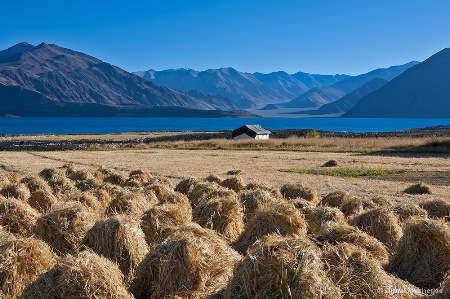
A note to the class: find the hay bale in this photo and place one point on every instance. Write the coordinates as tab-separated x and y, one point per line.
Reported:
88	199
263	186
254	200
331	163
185	186
17	216
340	231
205	191
381	224
192	262
382	202
18	191
14	177
22	261
62	186
444	289
51	173
436	208
159	221
406	210
291	191
317	216
418	189
282	218
5	235
120	239
160	191
114	178
281	267
356	205
112	190
64	226
102	196
84	276
137	178
358	275
423	253
234	183
134	203
213	179
160	180
81	175
224	215
335	199
42	200
35	183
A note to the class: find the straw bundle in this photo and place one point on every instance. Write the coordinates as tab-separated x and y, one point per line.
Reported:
335	199
381	224
317	216
185	186
120	239
21	262
42	200
282	218
358	275
263	186
406	210
64	226
291	191
280	267
159	221
102	196
418	189
35	183
213	179
88	200
436	208
18	191
159	190
17	216
160	180
85	276
114	178
81	175
192	262
234	183
51	173
356	205
423	253
224	215
206	191
134	203
254	200
137	178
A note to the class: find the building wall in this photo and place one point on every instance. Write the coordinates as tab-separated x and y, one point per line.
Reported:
245	136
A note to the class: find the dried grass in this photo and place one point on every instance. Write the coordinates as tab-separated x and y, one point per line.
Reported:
18	191
86	275
81	175
406	210
234	183
160	180
281	267
205	191
35	183
335	199
64	226
22	261
159	221
17	216
291	191
134	203
224	215
213	179
356	205
358	275
185	186
88	199
281	218
418	189
381	224
437	208
423	254
192	263
114	178
317	216
121	240
160	191
254	200
42	200
263	186
102	196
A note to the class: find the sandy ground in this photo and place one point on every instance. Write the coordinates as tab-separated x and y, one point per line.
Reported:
259	166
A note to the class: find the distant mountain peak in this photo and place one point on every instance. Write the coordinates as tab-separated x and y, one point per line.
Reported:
14	50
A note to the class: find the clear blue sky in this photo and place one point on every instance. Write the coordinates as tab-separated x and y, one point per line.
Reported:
316	36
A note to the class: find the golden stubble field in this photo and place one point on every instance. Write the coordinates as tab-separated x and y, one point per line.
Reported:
258	166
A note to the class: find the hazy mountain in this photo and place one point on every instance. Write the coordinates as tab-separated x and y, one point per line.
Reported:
64	76
421	91
246	90
19	48
349	100
319	96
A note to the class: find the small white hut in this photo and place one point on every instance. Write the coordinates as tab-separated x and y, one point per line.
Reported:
250	132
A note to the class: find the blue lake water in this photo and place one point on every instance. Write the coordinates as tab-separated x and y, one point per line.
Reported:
94	125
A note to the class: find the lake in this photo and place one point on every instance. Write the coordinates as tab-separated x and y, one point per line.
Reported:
99	125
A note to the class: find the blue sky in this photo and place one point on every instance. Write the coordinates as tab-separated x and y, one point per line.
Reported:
316	36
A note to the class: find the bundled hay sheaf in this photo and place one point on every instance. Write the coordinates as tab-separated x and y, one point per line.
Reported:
64	226
18	191
88	199
120	239
418	189
205	191
137	178
224	215
281	218
35	183
84	276
291	191
22	260
281	267
134	203
339	232
317	216
407	209
160	180
254	200
381	224
437	208
17	216
81	175
42	200
263	186
159	221
51	173
159	190
234	183
423	253
356	205
102	196
185	186
213	178
358	275
114	178
192	262
335	199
